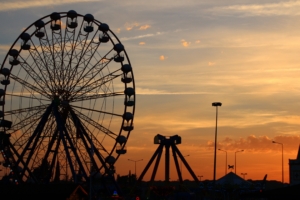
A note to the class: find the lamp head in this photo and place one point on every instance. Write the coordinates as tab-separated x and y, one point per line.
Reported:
216	104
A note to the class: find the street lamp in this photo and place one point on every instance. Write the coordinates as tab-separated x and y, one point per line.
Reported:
225	160
281	159
135	161
181	164
216	104
200	177
235	159
244	174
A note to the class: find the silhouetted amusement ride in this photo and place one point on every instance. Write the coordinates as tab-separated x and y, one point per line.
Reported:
167	142
67	100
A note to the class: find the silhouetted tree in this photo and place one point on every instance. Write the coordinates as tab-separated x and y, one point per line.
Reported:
43	172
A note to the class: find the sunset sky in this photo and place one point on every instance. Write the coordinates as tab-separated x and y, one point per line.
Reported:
186	55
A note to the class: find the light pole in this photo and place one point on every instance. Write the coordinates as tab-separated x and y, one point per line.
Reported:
135	161
225	160
244	174
216	104
200	177
235	159
181	164
281	159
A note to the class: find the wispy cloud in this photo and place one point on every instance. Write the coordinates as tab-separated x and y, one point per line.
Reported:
144	27
148	91
270	9
130	26
142	43
142	36
17	5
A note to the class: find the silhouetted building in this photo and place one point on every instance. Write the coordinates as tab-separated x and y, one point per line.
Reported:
232	179
295	169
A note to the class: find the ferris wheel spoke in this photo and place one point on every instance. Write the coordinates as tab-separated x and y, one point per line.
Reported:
41	65
95	124
88	133
84	56
29	86
69	46
28	97
97	96
102	63
109	113
49	58
34	76
23	139
74	43
56	55
30	128
96	84
31	117
95	140
27	110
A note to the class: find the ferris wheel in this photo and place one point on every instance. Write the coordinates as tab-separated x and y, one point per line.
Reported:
67	99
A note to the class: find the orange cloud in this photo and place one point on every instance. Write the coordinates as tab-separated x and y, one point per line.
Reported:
254	143
130	26
197	41
185	43
144	27
142	43
162	57
211	63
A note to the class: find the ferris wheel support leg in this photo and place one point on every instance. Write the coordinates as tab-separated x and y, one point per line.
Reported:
54	139
37	132
25	166
83	136
64	135
77	121
86	139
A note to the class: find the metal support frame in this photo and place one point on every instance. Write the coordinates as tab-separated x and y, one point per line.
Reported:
167	143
